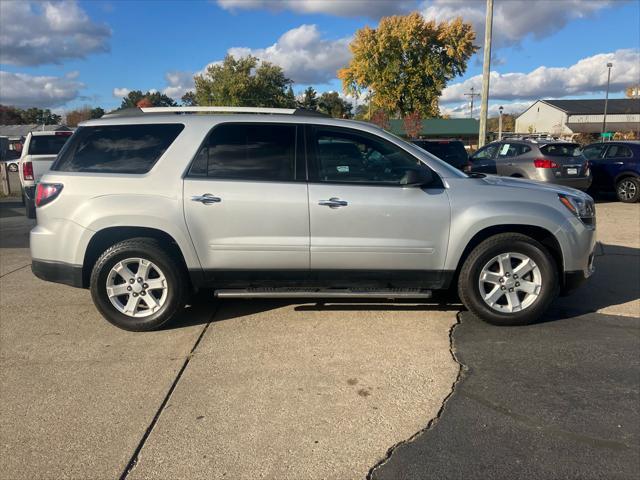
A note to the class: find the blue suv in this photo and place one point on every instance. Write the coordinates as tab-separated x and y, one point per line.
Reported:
616	166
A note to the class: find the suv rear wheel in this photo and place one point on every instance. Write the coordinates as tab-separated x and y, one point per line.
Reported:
628	189
136	285
509	279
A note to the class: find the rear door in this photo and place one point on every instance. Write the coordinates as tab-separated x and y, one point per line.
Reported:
364	222
594	154
617	159
512	161
246	204
484	160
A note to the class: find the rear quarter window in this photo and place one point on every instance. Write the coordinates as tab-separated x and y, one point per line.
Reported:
117	148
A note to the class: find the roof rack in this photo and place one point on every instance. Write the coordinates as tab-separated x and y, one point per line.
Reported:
183	110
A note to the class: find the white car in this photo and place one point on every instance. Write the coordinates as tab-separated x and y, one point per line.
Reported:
39	151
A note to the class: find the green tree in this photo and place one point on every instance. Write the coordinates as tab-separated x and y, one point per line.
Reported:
97	112
155	99
40	116
406	62
244	82
331	104
189	99
11	115
309	100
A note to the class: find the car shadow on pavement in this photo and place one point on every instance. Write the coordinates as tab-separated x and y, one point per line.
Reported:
10	208
614	284
204	308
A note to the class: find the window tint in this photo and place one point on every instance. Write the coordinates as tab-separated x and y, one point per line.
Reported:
47	144
619	151
348	156
594	151
486	152
561	150
116	148
452	152
248	152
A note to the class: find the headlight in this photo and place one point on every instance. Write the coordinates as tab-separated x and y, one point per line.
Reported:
582	208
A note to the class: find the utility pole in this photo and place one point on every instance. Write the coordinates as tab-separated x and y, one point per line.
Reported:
606	101
472	95
486	69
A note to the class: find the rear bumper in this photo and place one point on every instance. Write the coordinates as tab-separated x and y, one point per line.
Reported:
581	183
58	272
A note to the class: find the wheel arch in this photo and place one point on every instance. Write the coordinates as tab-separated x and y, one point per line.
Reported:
103	239
540	234
626	174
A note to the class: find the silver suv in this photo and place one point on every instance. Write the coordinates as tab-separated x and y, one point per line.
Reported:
541	159
146	207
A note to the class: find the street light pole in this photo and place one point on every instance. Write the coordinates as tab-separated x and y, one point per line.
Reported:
500	123
606	101
486	66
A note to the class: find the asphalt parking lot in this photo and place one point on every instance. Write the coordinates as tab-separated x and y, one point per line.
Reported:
256	389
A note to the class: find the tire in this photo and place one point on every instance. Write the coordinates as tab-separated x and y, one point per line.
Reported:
505	312
170	300
628	189
29	208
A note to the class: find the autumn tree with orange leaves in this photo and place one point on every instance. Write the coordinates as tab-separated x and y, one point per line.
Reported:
406	62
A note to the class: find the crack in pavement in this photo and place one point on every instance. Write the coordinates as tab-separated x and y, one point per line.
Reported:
461	369
17	269
133	461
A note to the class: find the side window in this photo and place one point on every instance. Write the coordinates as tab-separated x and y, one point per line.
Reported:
618	151
352	157
593	152
116	148
239	151
508	150
487	152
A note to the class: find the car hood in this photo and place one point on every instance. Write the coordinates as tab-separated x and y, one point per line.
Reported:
532	185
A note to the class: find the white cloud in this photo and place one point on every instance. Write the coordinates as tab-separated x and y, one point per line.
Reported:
461	110
305	57
34	33
23	90
515	19
588	75
303	54
344	8
120	92
179	83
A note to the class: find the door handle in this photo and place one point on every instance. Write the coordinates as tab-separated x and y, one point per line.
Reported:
333	202
206	199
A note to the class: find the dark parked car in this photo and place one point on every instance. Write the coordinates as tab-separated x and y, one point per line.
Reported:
542	159
616	167
451	151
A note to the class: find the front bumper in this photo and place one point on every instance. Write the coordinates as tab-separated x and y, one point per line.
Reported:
58	272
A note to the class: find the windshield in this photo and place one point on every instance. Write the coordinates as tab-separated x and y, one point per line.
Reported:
47	144
561	150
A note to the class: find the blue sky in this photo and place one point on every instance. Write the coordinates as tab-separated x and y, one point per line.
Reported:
65	54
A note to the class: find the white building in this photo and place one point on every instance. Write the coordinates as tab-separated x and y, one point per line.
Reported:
563	118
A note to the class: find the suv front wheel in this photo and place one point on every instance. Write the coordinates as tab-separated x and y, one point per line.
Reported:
508	279
136	285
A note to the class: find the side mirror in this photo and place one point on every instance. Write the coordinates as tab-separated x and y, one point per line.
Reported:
418	177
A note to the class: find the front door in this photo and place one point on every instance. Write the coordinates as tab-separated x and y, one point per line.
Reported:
246	212
365	223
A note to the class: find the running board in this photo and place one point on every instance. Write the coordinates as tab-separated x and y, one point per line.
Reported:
389	294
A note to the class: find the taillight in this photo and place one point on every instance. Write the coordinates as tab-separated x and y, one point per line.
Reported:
545	163
27	170
47	192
